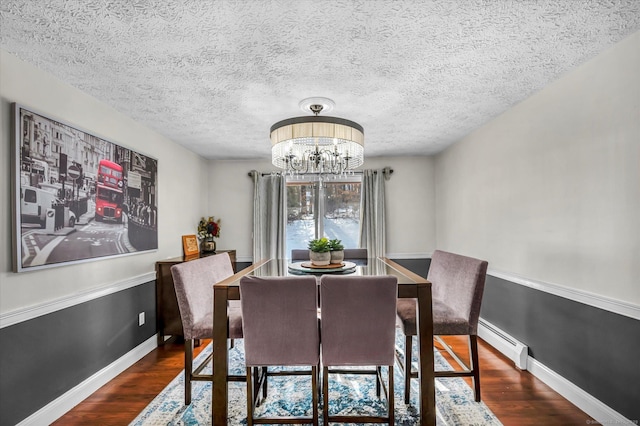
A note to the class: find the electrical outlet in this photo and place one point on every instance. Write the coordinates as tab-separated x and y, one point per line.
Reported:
141	319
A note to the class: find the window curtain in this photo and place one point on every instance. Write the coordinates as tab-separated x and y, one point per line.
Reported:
269	216
372	212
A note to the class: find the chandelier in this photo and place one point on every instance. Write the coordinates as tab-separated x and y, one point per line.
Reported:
317	144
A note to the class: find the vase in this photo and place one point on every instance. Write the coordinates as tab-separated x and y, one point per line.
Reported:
209	245
337	256
320	259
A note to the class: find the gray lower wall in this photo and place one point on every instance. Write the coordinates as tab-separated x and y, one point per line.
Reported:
43	358
241	265
596	350
419	266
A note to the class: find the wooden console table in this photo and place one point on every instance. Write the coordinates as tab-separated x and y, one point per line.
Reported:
168	322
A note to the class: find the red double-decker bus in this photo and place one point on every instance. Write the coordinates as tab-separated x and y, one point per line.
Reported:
109	191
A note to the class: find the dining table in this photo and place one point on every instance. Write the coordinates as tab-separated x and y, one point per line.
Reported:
410	285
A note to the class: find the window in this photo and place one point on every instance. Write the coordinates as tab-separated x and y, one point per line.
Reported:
330	209
30	196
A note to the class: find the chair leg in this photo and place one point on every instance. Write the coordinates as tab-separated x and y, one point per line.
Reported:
250	397
408	344
256	378
188	369
325	395
474	365
320	382
266	378
391	398
314	391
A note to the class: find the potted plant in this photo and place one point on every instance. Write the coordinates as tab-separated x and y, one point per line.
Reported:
320	251
337	251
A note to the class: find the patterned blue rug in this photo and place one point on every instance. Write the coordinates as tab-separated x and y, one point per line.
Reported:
349	394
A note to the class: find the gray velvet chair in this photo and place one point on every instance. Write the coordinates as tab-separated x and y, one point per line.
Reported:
457	288
280	325
299	254
193	281
359	253
358	329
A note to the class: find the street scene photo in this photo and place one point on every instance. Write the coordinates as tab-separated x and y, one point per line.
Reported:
78	196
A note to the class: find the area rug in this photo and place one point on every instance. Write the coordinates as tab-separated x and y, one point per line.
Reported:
349	394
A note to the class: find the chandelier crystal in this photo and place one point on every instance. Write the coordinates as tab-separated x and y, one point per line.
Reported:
315	144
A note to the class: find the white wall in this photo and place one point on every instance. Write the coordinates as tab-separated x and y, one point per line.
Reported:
231	200
550	190
181	177
410	199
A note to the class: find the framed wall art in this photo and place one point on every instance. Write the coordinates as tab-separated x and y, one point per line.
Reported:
190	246
78	197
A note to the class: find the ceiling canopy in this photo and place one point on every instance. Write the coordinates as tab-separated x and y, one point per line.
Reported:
215	75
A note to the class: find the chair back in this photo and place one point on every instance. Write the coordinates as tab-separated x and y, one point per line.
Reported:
458	282
299	254
193	281
358	319
360	253
280	320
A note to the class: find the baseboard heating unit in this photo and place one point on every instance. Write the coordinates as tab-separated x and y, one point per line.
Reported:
517	351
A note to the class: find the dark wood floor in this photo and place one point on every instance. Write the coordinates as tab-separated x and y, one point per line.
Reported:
515	397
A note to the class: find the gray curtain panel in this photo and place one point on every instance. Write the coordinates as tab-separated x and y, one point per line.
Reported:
269	216
372	212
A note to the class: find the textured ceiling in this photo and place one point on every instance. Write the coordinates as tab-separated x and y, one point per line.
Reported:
215	75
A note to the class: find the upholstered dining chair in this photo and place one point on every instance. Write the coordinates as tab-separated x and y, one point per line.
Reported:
194	282
358	329
457	287
280	325
299	254
359	253
358	256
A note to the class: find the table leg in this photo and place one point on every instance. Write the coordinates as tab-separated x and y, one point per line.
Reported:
219	394
425	349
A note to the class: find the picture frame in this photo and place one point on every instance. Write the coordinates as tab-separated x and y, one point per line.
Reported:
190	245
76	196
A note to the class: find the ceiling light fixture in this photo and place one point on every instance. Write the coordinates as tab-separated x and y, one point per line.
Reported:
317	144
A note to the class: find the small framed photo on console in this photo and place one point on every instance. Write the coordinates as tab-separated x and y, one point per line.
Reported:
190	245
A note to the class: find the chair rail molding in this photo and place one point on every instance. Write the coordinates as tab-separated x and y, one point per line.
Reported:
426	255
598	301
19	315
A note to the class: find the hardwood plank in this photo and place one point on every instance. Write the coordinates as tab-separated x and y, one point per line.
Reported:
123	398
515	397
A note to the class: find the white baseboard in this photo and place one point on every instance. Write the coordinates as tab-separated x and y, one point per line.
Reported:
61	405
578	397
595	408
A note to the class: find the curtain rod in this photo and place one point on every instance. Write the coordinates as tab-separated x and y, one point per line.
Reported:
387	171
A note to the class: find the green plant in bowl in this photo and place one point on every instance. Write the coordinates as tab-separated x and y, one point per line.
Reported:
335	245
320	245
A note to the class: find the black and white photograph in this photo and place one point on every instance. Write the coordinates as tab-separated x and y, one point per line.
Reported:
78	197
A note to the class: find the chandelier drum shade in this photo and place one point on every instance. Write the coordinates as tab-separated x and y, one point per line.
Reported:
315	144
